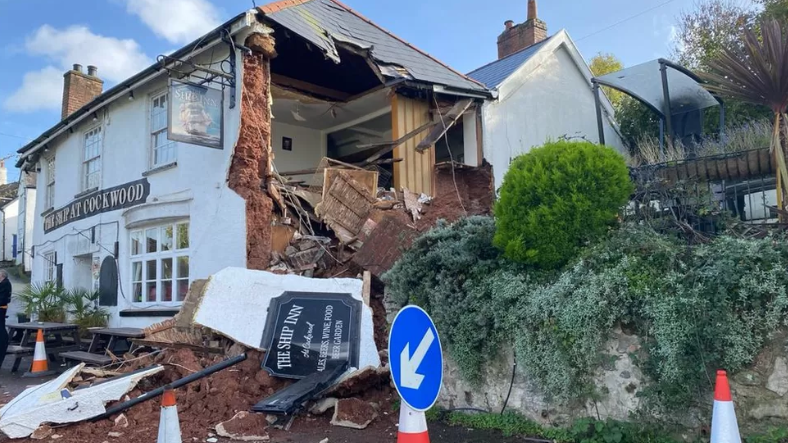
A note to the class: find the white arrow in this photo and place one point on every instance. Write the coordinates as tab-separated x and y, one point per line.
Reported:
409	365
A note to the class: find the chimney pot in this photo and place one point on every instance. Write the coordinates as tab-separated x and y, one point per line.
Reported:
77	67
508	24
92	70
532	11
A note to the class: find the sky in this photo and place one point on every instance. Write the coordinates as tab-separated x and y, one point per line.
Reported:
41	39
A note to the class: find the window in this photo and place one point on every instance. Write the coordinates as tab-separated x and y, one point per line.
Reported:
91	160
160	263
50	192
163	149
50	266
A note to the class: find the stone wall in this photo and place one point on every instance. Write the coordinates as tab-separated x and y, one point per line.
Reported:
759	392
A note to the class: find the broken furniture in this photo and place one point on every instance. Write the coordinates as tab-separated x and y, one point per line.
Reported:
58	337
105	344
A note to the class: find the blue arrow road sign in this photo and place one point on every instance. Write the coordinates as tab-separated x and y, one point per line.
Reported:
416	358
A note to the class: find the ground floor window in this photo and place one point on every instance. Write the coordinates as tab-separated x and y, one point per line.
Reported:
160	263
50	266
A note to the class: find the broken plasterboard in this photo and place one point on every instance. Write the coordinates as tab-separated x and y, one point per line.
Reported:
235	304
51	402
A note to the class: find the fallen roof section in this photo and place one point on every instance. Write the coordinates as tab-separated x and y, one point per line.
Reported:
326	23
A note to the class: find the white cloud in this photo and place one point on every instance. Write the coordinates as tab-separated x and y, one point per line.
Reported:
117	59
40	90
177	21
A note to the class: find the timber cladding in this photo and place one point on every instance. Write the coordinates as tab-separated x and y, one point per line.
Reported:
416	171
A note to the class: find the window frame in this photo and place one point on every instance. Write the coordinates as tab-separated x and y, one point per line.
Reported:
85	182
140	260
50	266
49	197
171	146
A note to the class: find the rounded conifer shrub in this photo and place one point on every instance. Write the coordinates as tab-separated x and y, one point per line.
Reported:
556	199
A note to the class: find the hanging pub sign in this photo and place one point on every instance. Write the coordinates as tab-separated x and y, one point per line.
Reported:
106	200
311	332
195	114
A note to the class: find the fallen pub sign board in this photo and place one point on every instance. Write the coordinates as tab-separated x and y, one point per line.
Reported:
105	200
311	332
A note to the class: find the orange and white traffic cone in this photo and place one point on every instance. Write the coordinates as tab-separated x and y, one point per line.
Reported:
40	366
724	428
412	426
169	425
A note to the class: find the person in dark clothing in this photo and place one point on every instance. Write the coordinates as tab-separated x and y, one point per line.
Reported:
5	299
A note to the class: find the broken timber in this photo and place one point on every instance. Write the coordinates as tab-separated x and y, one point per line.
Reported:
444	124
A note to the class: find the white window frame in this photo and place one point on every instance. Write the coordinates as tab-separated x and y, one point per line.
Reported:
50	267
87	161
50	185
141	257
169	149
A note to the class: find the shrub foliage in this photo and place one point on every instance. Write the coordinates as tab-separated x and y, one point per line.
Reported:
558	197
696	309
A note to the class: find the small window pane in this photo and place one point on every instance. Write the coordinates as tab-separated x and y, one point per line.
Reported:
136	271
166	290
150	289
152	240
166	268
151	270
136	243
183	289
137	289
183	236
166	238
183	267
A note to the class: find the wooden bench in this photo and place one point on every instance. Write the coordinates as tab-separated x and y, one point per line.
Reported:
19	352
87	357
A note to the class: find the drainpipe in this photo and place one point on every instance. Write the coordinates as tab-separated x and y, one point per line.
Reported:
2	210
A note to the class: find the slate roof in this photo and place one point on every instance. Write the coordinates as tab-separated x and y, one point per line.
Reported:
8	192
322	22
493	74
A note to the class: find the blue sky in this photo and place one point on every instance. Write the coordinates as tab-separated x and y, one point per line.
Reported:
40	39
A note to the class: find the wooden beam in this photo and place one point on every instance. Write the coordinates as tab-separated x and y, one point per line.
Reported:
366	287
445	122
390	146
301	85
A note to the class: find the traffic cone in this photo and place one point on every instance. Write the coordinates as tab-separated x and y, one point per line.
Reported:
40	366
724	428
169	425
412	426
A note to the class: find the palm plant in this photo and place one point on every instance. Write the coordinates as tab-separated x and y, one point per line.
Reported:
46	300
84	310
757	72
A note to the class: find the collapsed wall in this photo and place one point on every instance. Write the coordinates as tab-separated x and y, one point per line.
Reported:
250	166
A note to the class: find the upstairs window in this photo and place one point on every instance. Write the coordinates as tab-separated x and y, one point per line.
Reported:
91	159
163	149
50	266
50	191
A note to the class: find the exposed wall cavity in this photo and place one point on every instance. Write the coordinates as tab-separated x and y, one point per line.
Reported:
250	166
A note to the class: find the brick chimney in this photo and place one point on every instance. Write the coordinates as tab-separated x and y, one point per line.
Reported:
518	37
80	88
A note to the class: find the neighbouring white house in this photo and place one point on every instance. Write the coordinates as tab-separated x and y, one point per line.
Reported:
167	177
26	194
542	91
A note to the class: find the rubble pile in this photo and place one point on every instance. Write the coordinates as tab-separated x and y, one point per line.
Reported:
323	226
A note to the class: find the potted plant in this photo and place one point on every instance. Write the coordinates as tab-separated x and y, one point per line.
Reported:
84	310
46	300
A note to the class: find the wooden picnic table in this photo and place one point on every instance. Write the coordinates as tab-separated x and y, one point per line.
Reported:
105	344
54	338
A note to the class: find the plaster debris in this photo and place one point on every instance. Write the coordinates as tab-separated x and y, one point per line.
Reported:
323	405
353	413
45	403
244	426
